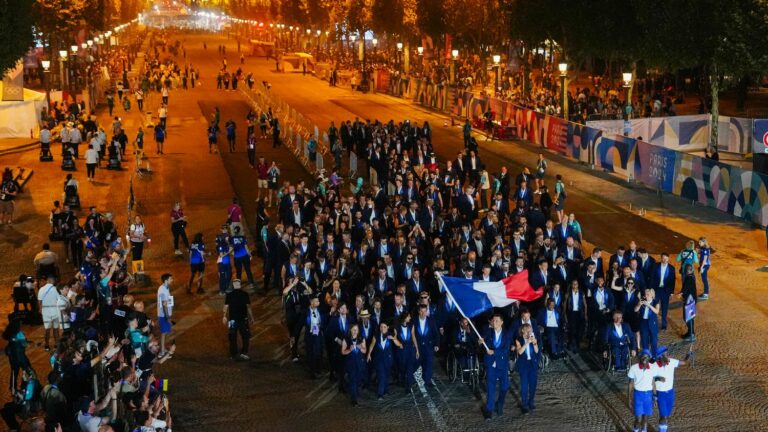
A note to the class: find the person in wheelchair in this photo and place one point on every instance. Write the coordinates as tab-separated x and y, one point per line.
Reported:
24	293
552	321
619	341
46	263
464	344
113	152
71	195
68	159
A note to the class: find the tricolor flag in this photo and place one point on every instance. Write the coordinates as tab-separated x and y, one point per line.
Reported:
475	297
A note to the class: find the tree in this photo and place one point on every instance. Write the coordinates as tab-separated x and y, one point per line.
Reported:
725	38
430	18
15	32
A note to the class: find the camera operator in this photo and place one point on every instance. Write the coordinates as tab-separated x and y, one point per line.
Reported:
238	317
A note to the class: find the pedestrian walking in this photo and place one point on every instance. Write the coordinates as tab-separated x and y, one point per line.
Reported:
224	262
275	133
263	124
164	94
560	196
641	378
178	227
162	114
527	366
196	263
140	99
665	388
242	255
353	348
16	351
110	102
251	149
496	363
159	138
238	318
648	309
316	322
91	160
690	296
230	127
273	175
294	296
382	351
165	306
541	171
213	139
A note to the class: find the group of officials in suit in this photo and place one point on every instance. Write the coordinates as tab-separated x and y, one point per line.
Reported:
357	273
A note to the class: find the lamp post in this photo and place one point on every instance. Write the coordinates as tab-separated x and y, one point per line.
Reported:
399	53
454	57
73	68
62	59
626	78
563	67
497	65
46	68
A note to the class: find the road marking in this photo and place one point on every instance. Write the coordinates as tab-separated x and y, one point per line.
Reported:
431	405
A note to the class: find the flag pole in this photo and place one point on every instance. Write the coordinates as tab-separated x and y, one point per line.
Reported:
458	307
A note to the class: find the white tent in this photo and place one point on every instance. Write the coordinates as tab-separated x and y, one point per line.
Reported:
18	118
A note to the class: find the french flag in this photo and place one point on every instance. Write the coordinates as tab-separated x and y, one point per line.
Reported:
474	297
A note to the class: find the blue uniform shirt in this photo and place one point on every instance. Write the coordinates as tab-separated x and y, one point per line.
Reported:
196	253
238	246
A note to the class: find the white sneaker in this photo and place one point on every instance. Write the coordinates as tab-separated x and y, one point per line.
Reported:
178	252
244	357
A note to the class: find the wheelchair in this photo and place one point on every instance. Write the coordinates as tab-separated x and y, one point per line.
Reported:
609	362
45	152
68	161
71	197
469	372
113	159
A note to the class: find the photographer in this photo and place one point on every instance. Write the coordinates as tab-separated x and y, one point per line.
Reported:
295	297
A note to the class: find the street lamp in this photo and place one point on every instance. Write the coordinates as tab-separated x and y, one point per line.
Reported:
496	61
74	49
454	56
626	77
420	50
563	68
62	59
46	69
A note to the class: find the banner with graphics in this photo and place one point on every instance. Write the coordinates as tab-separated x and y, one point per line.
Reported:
760	136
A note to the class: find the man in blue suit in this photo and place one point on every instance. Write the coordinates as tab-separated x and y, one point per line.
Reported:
497	345
619	339
428	341
552	321
663	279
315	321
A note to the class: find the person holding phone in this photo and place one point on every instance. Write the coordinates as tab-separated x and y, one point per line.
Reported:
527	365
647	309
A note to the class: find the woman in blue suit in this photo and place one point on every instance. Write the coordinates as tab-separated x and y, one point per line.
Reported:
382	350
527	366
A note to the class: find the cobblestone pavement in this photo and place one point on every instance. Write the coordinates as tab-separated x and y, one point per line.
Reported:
726	390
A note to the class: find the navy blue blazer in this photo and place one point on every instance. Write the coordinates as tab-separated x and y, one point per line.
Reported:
500	349
669	278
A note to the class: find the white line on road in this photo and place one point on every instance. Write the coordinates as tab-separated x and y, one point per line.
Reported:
431	406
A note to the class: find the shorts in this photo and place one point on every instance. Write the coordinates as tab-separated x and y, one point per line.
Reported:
52	318
273	186
6	207
560	204
165	325
197	268
643	403
666	402
262	183
539	175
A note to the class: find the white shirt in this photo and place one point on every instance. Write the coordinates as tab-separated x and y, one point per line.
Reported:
551	319
48	295
422	325
668	372
88	423
619	330
91	156
643	378
575	300
45	136
164	294
600	298
663	272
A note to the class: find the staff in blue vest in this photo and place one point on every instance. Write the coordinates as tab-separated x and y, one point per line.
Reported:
527	366
224	262
242	255
196	263
496	363
382	351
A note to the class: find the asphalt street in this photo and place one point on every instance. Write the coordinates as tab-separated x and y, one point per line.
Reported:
209	392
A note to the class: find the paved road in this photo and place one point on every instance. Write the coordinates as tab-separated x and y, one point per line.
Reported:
209	392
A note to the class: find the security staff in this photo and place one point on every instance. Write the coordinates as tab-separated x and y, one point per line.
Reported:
527	365
382	351
238	318
497	343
